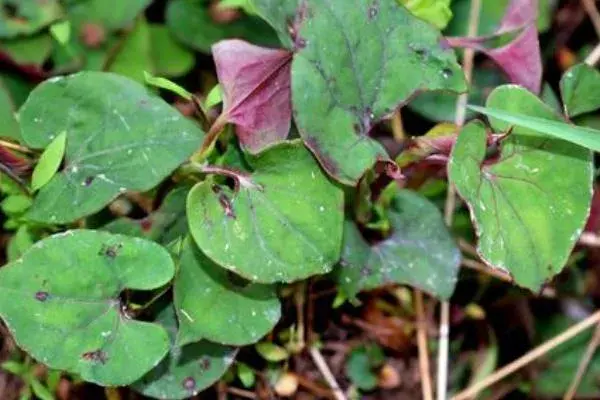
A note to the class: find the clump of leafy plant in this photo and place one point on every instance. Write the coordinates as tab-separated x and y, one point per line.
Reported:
287	183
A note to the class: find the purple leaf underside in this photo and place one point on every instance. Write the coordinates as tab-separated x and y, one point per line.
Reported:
256	92
520	59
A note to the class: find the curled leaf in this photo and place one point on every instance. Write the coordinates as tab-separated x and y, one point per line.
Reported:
255	84
520	59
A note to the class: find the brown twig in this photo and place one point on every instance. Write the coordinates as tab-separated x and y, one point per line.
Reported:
424	369
240	392
316	389
300	301
528	358
480	267
15	146
583	364
592	12
326	372
468	248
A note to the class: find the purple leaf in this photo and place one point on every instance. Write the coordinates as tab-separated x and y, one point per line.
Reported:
521	58
256	92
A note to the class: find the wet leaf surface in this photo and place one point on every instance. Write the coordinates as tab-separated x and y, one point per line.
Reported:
531	204
186	370
212	304
282	223
116	132
61	303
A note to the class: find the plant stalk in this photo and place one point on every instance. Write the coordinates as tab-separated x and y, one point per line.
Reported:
450	205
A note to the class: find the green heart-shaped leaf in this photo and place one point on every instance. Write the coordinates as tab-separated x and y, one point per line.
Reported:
345	73
419	251
119	137
282	223
579	88
212	305
61	303
186	370
530	204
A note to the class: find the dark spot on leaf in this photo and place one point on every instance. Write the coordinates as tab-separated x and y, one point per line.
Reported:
420	51
225	202
95	356
189	383
110	251
373	10
88	181
205	363
357	128
42	296
447	73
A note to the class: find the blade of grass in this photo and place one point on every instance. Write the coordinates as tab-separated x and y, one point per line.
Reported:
586	137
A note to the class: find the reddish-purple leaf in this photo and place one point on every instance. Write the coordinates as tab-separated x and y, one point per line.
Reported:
14	163
520	59
519	13
256	92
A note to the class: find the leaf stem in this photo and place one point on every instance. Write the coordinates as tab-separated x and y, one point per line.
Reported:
480	267
583	364
593	58
16	147
326	372
450	204
157	296
426	388
300	301
529	357
398	127
592	11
